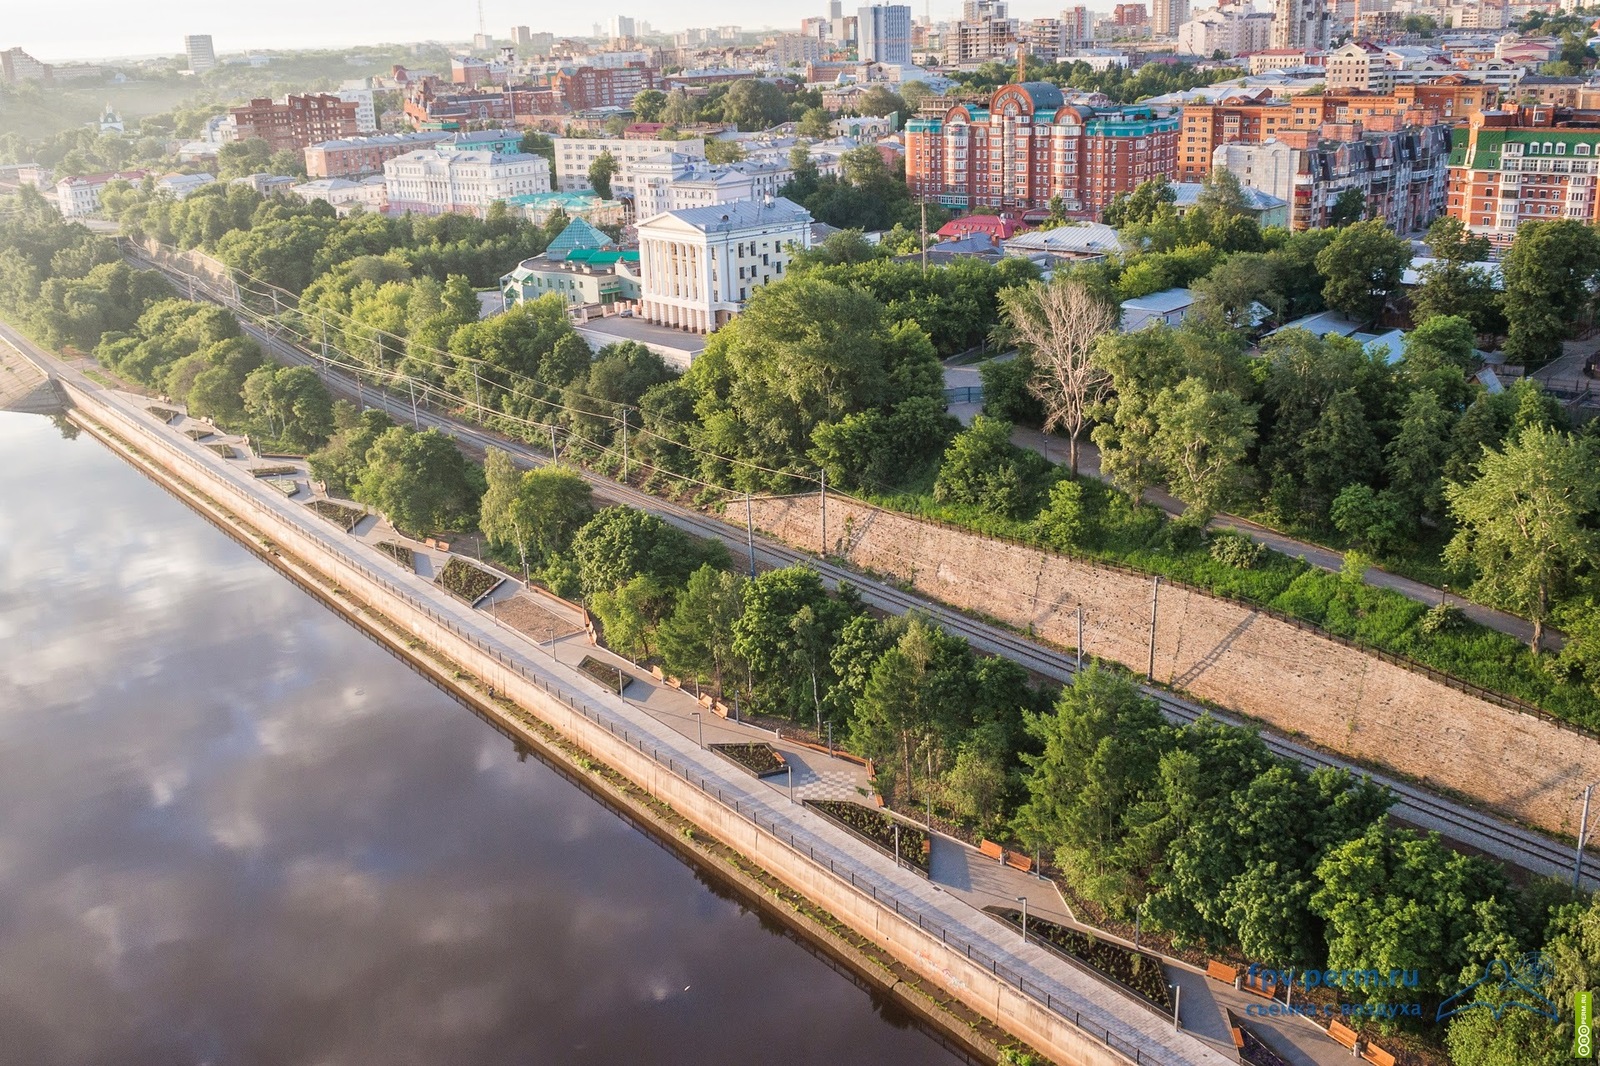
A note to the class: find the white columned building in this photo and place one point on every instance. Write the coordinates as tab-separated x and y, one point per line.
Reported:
698	266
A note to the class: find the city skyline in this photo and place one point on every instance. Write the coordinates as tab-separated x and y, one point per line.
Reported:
102	30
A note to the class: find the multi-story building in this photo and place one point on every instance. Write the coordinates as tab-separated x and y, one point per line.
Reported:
18	66
355	156
1549	91
202	54
699	266
883	34
1301	24
436	183
620	28
297	122
582	266
1521	164
1358	65
503	142
589	87
1167	15
366	111
1077	27
1227	30
1400	170
80	196
795	50
674	182
1029	146
575	154
986	31
1207	126
1130	16
345	195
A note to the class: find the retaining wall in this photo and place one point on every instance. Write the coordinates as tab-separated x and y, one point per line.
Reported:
939	955
1296	681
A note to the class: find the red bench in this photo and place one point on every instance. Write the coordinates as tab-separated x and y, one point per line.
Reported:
1342	1033
1377	1056
1221	971
992	850
1019	862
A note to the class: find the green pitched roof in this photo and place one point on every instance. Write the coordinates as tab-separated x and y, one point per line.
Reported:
578	236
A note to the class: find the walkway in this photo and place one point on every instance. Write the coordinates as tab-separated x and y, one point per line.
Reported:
1069	989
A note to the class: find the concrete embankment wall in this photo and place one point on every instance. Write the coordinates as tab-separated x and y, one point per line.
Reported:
939	957
1298	682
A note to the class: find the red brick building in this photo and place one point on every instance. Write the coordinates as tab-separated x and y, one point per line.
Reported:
1029	146
589	87
296	123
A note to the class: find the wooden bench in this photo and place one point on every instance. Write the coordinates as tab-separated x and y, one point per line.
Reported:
1342	1033
1260	987
1238	1037
1019	862
992	850
1221	971
1377	1056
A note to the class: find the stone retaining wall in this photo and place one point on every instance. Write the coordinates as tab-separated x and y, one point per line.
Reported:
1298	682
922	950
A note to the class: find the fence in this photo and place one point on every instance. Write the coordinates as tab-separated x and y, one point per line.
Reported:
742	808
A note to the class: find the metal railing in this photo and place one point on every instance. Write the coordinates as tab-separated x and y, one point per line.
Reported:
742	807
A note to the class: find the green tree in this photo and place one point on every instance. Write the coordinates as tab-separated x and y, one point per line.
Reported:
535	512
720	152
1527	523
619	543
1548	273
1201	440
880	101
421	481
983	469
784	637
1363	268
817	123
1349	206
1415	458
630	613
601	171
648	104
291	404
341	461
696	640
1394	900
754	104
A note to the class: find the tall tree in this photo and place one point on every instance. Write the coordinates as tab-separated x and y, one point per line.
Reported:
1201	441
421	481
1363	267
601	171
1527	523
1549	273
1057	324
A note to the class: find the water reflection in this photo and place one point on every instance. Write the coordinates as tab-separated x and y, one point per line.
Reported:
236	831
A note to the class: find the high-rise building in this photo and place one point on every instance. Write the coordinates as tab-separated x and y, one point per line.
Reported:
202	55
1167	15
883	34
1301	24
521	38
17	65
620	28
1524	163
1029	146
296	123
1077	27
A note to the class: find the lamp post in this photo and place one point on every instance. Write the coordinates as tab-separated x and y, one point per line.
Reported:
897	843
1138	916
700	724
1024	901
788	768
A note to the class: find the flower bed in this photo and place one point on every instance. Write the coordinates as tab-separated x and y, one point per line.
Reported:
166	414
877	829
340	514
1136	971
198	434
286	485
471	583
603	672
1256	1053
763	760
224	450
273	471
400	553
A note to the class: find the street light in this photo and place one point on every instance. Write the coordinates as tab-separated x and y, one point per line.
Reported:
700	723
789	769
1024	901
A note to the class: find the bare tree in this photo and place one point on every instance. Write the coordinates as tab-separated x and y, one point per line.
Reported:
1058	324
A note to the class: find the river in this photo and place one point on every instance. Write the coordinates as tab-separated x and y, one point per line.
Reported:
234	830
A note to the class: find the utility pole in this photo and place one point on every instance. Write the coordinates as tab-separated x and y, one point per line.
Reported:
749	533
324	322
624	444
1583	834
416	423
477	392
924	234
824	512
1155	598
1080	637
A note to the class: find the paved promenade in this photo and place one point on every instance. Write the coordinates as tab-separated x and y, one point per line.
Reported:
1067	990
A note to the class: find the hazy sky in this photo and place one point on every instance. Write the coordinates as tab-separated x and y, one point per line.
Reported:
97	28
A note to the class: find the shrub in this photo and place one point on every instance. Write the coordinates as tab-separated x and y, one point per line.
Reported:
1441	618
1232	548
1061	523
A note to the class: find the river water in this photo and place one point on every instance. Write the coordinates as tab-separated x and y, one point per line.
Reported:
233	830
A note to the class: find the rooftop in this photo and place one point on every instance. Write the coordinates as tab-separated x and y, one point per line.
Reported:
741	214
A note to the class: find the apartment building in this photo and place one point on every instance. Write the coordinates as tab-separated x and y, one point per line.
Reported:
575	154
698	266
296	122
436	183
590	87
1227	30
883	34
1521	164
353	156
1400	170
1206	126
201	53
80	196
674	182
1029	146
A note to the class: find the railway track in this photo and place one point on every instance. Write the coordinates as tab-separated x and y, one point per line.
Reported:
1415	805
